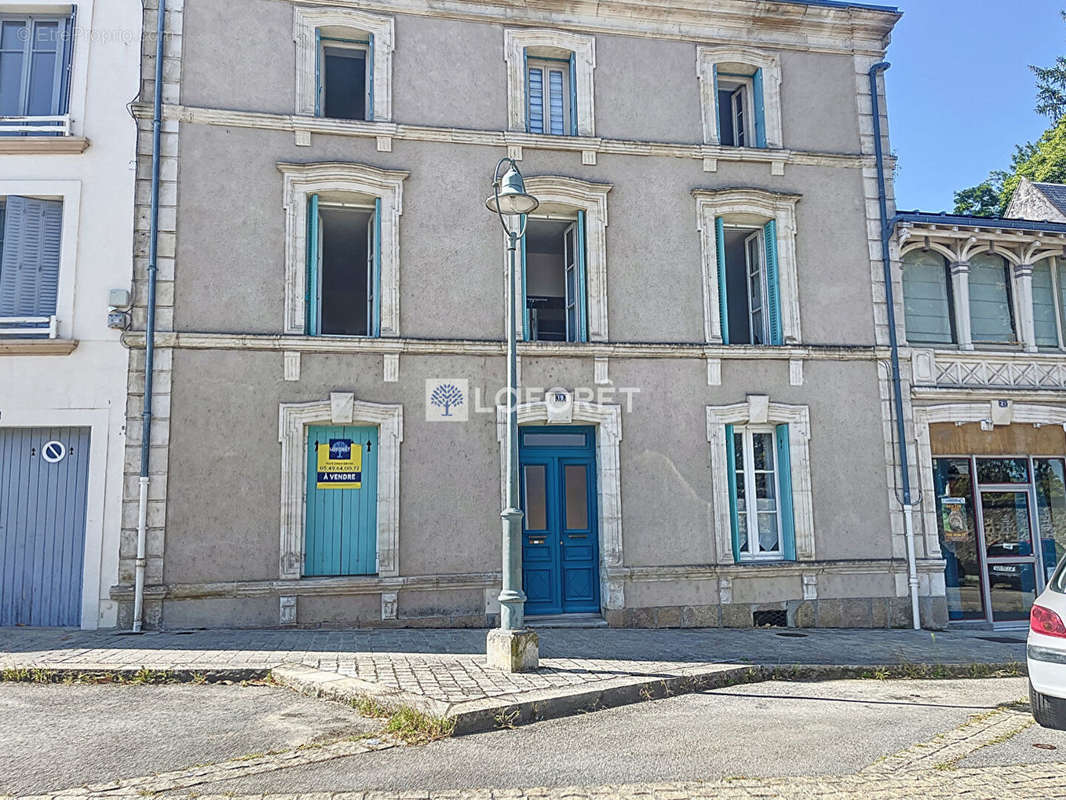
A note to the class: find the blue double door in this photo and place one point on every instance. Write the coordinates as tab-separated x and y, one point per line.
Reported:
560	539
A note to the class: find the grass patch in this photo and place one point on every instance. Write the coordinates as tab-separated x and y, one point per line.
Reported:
408	725
141	677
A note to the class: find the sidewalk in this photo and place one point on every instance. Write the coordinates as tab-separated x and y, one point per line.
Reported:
442	672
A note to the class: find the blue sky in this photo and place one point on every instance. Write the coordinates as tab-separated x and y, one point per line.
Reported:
960	93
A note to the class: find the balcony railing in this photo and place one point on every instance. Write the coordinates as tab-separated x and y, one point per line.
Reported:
962	370
38	327
35	126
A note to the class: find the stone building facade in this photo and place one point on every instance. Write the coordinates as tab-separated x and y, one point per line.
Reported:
706	436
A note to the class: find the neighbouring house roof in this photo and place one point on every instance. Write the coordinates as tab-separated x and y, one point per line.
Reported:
1038	201
969	221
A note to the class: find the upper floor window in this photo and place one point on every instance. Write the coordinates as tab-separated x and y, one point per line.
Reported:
991	300
342	249
343	63
1049	303
35	63
344	266
550	91
564	262
345	79
549	82
553	258
927	300
741	97
30	254
749	258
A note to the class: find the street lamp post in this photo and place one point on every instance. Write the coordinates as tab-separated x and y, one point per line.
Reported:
510	647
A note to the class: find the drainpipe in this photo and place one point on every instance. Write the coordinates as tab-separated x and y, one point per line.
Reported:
149	331
887	228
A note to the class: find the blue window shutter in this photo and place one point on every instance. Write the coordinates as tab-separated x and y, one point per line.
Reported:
717	105
29	263
318	73
534	98
313	256
760	110
375	329
784	483
573	95
556	114
731	468
773	283
370	79
582	281
526	332
723	297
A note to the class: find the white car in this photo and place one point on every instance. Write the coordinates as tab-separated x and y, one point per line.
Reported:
1046	653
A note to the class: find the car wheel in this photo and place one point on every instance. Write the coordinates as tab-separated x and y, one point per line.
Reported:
1049	712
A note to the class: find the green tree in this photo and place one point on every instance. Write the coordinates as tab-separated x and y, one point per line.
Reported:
1051	88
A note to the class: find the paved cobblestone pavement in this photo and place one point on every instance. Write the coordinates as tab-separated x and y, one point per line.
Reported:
448	665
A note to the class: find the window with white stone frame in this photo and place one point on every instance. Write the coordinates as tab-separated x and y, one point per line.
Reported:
750	286
343	63
740	91
549	82
360	207
761	475
563	269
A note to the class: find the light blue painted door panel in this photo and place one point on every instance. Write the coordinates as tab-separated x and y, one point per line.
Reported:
560	544
42	525
341	531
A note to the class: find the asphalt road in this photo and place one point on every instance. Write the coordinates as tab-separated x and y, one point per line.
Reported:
59	736
762	730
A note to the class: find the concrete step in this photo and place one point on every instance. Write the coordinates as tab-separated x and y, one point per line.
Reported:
566	621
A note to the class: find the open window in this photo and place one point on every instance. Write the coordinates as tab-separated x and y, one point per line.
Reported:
35	63
553	260
344	266
30	252
749	289
551	93
345	77
737	110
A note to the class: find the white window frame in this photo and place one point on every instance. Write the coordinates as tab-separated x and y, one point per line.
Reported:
317	290
749	208
744	87
516	41
729	59
560	198
361	181
748	468
759	411
547	64
69	193
344	23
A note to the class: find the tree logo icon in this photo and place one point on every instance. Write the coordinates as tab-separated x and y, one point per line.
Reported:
446	400
447	396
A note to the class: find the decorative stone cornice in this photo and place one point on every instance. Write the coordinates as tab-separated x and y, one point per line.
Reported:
843	29
37	347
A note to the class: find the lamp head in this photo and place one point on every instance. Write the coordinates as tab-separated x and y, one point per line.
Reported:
512	199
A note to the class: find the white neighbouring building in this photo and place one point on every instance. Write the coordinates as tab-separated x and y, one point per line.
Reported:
67	155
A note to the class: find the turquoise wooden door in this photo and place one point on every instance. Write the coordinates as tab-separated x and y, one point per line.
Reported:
560	537
342	494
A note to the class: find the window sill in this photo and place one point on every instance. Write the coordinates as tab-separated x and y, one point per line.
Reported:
43	145
37	347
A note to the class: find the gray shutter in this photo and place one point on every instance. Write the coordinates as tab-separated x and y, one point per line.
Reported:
29	263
